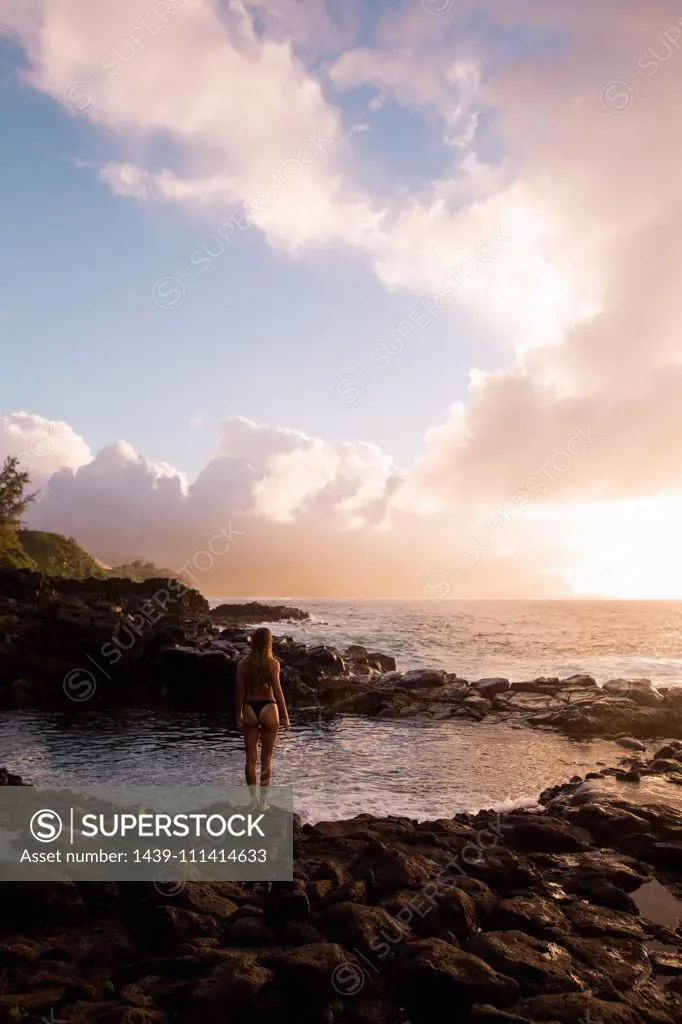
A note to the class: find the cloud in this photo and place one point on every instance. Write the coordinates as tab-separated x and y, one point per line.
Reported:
568	148
304	517
42	446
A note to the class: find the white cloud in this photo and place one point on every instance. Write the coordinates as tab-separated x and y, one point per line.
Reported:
309	517
42	446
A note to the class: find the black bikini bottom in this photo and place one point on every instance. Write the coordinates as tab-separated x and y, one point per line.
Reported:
258	705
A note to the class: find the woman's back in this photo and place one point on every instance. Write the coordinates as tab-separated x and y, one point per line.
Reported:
259	675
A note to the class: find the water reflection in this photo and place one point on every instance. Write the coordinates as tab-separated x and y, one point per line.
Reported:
338	765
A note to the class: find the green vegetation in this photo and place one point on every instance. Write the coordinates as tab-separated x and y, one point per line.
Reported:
12	552
51	553
13	497
55	555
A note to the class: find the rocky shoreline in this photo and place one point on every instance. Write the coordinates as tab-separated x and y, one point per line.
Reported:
549	915
157	645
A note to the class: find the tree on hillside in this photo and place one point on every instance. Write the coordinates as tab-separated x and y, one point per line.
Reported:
13	497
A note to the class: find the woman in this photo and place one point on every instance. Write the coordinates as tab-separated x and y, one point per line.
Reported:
259	695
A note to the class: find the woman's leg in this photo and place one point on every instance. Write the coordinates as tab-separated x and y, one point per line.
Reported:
269	726
250	744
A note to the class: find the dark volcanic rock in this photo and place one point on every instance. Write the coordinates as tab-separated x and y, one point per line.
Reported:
434	974
382	923
254	611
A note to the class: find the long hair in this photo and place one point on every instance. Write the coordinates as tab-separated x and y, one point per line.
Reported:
261	655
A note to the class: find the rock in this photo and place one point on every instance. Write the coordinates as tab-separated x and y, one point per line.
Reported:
641	691
307	973
670	750
239	981
630	743
475	703
418	679
542	685
531	833
383	662
442	912
534	915
623	963
165	927
491	687
434	974
663	766
356	652
576	1008
254	611
367	929
665	962
584	682
595	921
291	907
248	932
537	965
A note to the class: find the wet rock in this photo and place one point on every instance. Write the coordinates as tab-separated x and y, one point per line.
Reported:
583	681
576	1008
666	962
530	833
663	765
491	687
630	743
434	974
382	662
641	691
622	962
418	679
537	965
254	611
534	915
670	750
594	921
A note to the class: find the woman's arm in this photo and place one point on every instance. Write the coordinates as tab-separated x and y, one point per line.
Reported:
240	691
279	697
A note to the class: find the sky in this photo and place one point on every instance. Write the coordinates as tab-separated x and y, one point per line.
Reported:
385	293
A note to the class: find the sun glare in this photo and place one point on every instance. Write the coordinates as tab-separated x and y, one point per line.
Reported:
629	549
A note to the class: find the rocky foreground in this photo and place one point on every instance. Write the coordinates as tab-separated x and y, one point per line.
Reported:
547	915
156	644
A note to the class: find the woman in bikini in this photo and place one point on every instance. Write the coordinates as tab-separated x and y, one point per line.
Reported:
260	705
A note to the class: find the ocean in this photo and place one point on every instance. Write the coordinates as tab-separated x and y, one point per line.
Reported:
342	765
514	639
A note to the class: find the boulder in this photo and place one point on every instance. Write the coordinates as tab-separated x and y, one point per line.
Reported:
491	687
254	611
434	974
630	743
641	691
582	681
538	965
382	662
539	833
419	678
